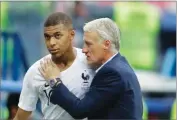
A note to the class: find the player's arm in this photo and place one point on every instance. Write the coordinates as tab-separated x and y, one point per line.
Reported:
22	114
28	97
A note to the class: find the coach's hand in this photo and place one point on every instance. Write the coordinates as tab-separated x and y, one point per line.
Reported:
48	69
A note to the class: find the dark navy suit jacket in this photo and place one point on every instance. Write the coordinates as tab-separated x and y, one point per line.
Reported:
114	94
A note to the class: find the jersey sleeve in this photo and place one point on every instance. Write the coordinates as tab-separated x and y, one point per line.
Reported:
29	95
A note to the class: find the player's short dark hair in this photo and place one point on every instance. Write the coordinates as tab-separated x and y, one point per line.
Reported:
58	18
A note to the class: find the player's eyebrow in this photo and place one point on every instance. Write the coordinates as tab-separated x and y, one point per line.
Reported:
45	34
57	32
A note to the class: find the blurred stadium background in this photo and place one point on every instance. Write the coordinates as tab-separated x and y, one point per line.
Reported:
148	40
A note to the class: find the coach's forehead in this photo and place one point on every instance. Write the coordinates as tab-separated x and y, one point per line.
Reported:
91	36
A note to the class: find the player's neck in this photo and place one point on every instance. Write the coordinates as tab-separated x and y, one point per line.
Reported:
67	59
69	56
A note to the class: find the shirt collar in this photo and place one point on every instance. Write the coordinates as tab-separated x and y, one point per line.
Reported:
106	62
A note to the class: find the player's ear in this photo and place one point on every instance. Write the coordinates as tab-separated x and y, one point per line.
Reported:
72	34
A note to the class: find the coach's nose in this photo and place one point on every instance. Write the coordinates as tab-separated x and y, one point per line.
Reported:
84	49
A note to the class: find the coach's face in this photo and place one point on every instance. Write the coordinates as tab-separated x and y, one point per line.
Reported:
93	48
58	39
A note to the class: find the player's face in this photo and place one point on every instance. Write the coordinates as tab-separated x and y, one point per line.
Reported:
58	39
93	48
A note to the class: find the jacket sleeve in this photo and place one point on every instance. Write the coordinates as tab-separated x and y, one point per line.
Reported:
99	95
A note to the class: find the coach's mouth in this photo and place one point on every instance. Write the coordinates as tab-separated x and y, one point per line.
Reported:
88	58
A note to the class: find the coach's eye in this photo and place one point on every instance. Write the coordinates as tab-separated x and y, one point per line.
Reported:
87	43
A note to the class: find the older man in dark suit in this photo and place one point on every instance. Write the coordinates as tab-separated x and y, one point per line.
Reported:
114	92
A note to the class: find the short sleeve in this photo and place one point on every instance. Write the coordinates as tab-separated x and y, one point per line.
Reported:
29	95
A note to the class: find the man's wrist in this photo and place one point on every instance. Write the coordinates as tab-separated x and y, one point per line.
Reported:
57	83
54	82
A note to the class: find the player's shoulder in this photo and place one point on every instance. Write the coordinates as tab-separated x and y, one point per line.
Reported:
81	56
79	50
33	69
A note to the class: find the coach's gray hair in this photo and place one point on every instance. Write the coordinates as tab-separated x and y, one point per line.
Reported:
107	29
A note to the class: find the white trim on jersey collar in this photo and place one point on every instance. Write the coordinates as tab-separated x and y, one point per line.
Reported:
106	62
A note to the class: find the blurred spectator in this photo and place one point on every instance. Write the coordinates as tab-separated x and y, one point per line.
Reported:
79	18
97	10
12	104
139	24
79	15
65	6
165	5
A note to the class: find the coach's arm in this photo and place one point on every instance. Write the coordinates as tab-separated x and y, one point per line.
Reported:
104	89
